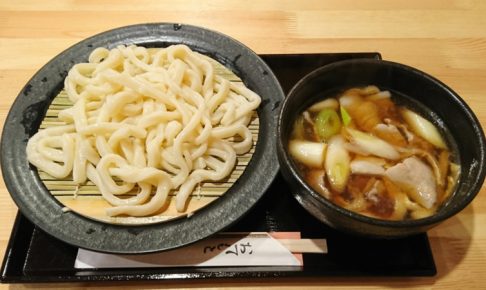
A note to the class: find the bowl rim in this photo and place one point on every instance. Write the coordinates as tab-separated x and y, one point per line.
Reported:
475	186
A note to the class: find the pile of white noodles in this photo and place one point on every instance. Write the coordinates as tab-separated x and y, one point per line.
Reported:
156	118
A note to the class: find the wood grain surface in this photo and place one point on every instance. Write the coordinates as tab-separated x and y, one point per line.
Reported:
444	38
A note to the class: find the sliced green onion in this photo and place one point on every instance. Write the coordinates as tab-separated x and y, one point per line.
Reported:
345	116
327	124
337	164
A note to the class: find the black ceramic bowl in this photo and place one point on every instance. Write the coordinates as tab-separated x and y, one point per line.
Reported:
429	96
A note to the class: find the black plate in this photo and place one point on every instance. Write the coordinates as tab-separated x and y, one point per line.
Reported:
28	110
34	256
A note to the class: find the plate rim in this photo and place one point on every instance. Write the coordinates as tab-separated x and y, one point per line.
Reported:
40	207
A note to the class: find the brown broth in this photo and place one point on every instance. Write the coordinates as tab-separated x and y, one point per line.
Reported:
382	195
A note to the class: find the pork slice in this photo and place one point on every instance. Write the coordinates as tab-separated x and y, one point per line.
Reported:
417	179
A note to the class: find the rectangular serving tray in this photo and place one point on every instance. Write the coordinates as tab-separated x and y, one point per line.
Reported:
34	256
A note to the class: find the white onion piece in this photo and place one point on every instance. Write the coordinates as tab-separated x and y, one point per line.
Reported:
349	100
423	128
337	164
355	149
327	103
308	153
380	95
315	178
372	145
366	167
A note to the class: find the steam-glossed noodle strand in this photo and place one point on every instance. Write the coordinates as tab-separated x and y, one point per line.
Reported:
146	121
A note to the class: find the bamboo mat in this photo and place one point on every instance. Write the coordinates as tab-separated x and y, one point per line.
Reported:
86	199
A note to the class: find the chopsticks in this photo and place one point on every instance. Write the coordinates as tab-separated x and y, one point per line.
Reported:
305	245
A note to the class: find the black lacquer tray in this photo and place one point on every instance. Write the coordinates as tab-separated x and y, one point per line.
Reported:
34	256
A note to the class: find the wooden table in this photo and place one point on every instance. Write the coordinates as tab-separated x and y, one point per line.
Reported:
446	38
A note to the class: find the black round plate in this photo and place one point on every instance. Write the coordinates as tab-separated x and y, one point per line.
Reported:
28	110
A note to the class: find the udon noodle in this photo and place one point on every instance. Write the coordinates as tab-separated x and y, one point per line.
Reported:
158	119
